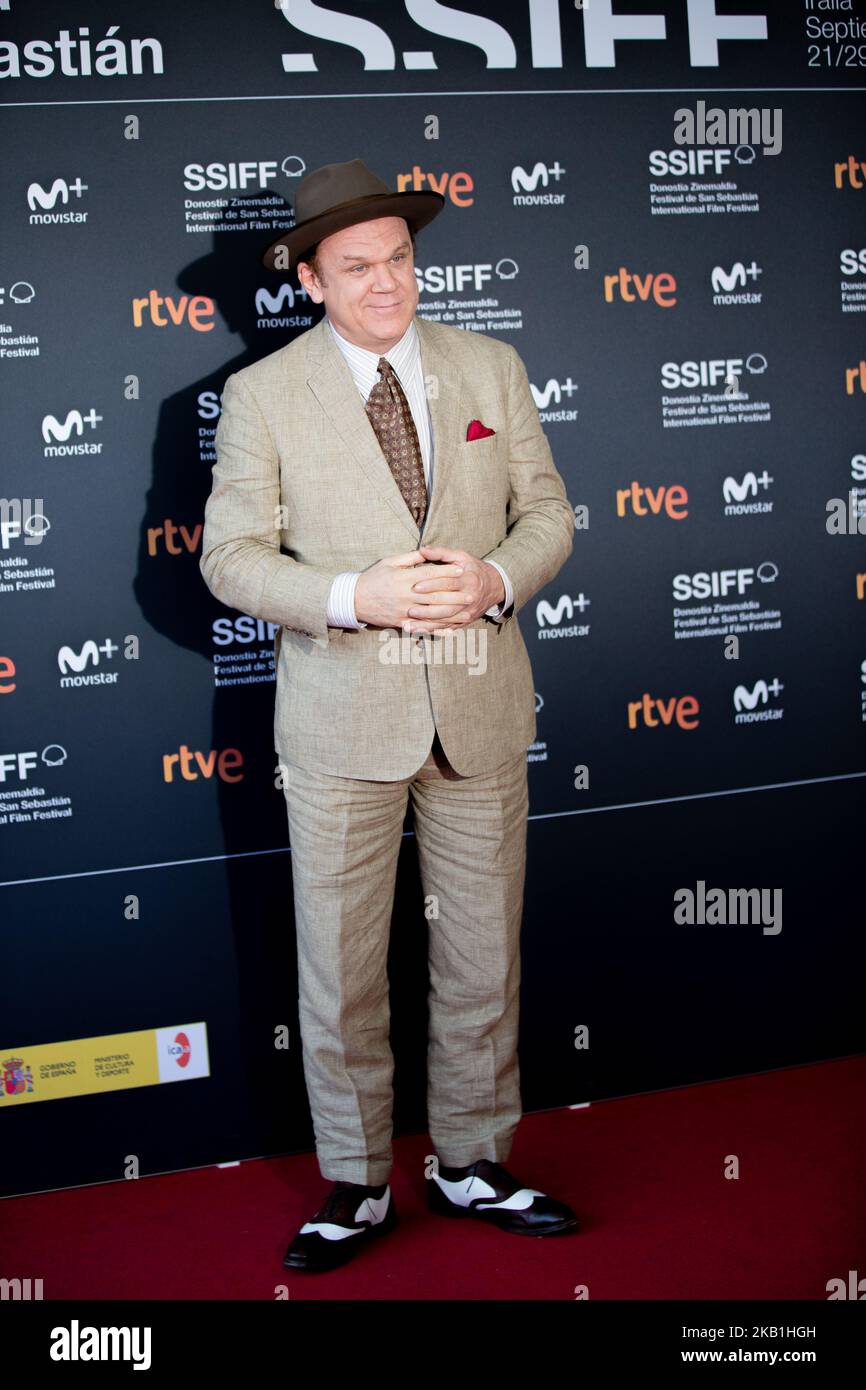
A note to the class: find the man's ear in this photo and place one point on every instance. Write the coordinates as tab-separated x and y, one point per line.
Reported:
310	282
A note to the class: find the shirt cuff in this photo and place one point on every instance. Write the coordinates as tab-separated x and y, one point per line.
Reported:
498	609
341	601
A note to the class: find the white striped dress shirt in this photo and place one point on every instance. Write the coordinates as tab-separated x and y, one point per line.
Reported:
405	358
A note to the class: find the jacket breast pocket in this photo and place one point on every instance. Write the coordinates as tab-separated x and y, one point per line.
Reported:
485	467
481	456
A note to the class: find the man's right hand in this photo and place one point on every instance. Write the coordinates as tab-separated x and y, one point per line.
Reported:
383	594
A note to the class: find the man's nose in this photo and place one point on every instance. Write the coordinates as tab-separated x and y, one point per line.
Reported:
384	278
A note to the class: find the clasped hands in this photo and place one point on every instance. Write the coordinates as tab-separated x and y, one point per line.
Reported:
433	589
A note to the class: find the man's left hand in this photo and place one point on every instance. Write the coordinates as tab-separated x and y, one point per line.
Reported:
478	588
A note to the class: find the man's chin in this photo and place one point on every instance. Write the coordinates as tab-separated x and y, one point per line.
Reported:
386	324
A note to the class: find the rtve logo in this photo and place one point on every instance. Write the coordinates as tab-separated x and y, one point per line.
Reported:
187	761
8	672
167	533
856	377
681	710
860	586
671	498
191	311
660	286
850	173
458	187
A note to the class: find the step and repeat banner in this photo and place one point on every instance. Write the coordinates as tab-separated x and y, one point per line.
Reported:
661	206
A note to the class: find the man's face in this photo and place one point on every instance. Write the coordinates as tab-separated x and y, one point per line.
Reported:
368	282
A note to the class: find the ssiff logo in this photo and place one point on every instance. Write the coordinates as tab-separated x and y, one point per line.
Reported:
17	1079
549	47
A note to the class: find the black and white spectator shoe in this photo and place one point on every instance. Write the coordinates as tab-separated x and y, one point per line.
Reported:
349	1218
488	1191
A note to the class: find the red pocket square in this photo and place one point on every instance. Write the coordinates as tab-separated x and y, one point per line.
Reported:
478	431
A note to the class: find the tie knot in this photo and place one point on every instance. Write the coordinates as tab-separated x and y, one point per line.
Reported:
384	366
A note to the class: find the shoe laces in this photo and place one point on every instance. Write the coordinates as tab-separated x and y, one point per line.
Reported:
333	1203
495	1174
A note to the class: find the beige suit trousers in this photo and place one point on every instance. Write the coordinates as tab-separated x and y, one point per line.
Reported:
345	838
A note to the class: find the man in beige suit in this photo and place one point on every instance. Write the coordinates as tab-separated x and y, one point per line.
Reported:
384	492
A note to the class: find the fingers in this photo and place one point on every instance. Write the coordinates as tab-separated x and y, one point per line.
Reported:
424	586
443	552
433	629
437	622
431	611
411	557
441	597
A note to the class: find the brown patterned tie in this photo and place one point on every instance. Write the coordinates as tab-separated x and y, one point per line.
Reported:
389	414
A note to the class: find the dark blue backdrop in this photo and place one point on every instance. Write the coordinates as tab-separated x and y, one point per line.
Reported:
141	184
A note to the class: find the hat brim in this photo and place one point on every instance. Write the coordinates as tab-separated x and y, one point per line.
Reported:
417	208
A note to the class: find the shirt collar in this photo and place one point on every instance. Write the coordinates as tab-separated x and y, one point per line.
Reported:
363	364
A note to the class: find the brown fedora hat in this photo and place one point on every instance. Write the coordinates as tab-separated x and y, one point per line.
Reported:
339	195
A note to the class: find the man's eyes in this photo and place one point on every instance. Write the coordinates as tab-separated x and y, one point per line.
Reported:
399	256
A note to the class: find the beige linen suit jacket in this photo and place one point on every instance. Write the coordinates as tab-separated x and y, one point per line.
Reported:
302	491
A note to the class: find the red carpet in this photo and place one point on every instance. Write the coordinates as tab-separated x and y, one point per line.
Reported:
645	1175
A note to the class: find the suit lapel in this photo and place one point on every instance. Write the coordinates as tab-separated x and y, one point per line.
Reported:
330	380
